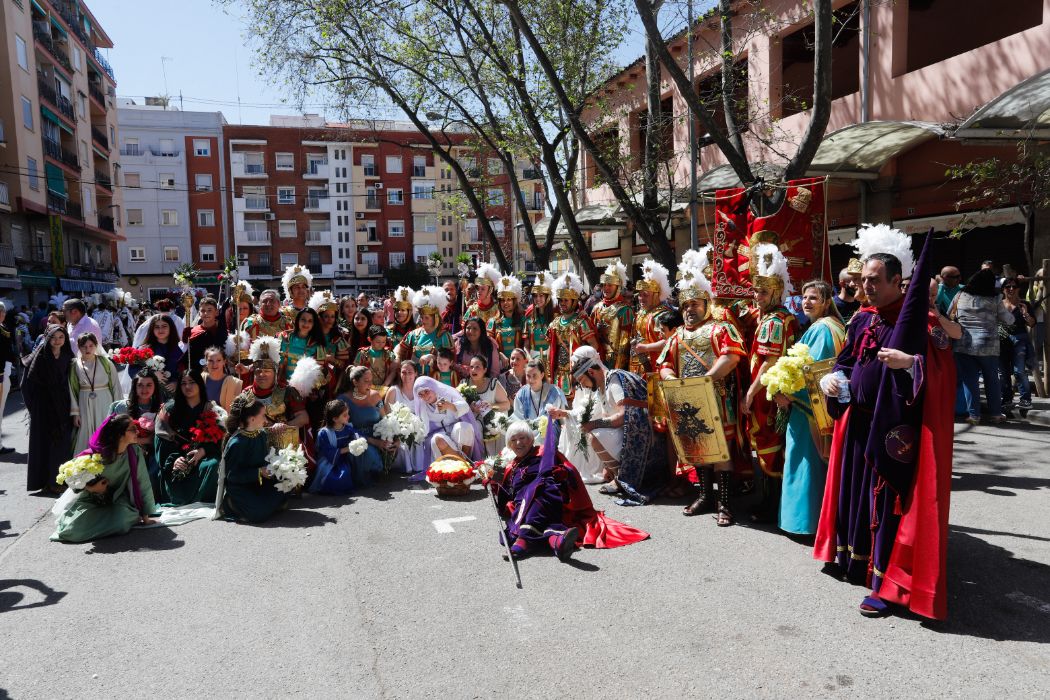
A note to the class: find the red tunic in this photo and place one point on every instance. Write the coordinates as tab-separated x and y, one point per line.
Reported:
776	333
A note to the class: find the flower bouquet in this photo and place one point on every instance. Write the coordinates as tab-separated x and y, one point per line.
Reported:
80	471
469	392
786	377
451	476
357	447
494	425
400	425
158	365
539	426
288	467
146	425
130	356
494	465
583	413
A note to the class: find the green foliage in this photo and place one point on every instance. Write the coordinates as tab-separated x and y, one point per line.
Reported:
411	274
994	182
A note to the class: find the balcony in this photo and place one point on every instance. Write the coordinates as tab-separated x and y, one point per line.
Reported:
49	93
248	238
240	169
536	204
54	150
103	181
7	256
319	238
103	63
317	204
61	205
5	195
530	174
99	273
68	11
42	35
157	152
251	202
372	203
419	171
99	137
96	93
131	149
316	170
370	170
106	223
260	271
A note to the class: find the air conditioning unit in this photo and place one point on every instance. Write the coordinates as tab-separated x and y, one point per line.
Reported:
269	216
378	185
362	249
170	182
359	215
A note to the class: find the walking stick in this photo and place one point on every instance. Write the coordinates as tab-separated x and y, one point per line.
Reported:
503	535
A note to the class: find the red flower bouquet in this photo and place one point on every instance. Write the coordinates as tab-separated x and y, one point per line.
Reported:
207	429
130	356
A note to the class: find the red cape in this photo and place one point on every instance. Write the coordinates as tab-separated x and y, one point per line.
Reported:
596	530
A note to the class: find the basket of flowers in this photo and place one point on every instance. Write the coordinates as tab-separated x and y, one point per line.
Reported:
451	476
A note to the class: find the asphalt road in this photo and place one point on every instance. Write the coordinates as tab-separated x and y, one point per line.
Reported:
366	597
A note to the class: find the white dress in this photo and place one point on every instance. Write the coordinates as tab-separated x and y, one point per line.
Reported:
99	387
495	445
586	461
410	459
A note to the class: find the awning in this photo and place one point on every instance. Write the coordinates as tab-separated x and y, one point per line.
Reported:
859	151
34	279
10	283
56	179
69	285
724	177
1021	111
51	116
1006	216
57	25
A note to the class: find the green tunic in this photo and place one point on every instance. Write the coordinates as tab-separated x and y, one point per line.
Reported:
244	497
93	516
198	485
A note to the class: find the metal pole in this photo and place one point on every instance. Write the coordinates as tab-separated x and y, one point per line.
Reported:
503	534
694	234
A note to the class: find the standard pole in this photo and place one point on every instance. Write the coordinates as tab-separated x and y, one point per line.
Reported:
694	234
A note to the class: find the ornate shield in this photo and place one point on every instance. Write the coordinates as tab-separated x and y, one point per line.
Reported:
694	421
817	399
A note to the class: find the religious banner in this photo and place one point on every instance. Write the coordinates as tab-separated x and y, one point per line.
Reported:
799	229
817	398
693	420
58	260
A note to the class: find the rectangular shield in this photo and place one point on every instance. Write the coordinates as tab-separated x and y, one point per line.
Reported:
694	421
817	399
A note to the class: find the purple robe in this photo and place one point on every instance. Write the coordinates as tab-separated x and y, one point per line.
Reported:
538	498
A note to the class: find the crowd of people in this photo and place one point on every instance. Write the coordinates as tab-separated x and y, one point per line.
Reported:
862	464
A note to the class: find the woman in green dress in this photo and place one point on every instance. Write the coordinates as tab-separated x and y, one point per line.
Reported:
247	491
119	498
189	435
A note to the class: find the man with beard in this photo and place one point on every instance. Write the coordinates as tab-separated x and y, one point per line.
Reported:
453	316
269	321
613	318
847	301
485	307
571	329
775	332
706	347
285	409
297	281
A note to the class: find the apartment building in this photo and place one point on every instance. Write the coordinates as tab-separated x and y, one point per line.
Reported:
175	211
349	201
909	80
59	208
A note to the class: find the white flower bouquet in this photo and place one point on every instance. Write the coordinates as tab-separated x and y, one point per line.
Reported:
495	424
401	424
80	471
288	466
357	447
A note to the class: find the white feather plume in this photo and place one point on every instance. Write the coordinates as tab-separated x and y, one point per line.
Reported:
543	279
306	375
691	277
653	271
881	238
236	342
321	299
509	284
567	280
265	347
488	271
293	271
57	300
697	259
616	267
430	296
770	262
244	287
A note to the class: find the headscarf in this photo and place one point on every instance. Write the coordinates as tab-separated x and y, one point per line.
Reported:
39	369
95	447
444	391
42	353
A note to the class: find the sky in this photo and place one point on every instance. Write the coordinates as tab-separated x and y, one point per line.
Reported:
199	49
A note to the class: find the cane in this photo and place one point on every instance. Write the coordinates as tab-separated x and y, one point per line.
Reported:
503	535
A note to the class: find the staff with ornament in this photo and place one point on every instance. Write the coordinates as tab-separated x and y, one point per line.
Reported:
570	329
507	327
614	318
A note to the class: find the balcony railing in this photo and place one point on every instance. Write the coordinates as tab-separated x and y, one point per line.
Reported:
252	237
260	270
102	180
101	60
106	224
103	273
373	268
315	202
316	167
164	152
5	195
7	256
68	11
131	149
371	171
255	203
49	93
61	205
100	137
254	169
53	149
371	202
318	237
96	92
41	34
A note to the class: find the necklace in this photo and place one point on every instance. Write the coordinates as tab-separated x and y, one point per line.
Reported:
252	433
94	371
360	397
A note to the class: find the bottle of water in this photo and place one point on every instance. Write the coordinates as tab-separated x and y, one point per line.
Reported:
844	395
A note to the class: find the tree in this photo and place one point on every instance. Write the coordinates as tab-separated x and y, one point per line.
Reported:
409	274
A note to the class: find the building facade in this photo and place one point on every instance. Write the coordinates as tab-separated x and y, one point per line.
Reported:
905	77
173	182
60	211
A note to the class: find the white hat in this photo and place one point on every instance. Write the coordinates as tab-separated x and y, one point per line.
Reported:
654	279
770	266
542	284
615	273
692	284
296	274
322	300
508	287
265	351
487	274
430	300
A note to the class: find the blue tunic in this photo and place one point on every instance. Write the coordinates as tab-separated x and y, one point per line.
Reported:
364	418
334	469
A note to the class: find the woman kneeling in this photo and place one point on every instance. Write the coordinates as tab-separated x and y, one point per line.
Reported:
247	489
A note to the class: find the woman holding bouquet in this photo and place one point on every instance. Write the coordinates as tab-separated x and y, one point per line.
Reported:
143	404
366	408
189	435
118	499
163	340
93	386
411	458
246	489
335	462
47	400
533	398
491	397
805	459
452	429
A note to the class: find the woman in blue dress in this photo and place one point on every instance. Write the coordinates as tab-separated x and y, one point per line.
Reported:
335	464
366	408
537	393
805	460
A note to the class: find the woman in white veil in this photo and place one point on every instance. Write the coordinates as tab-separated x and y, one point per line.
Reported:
451	426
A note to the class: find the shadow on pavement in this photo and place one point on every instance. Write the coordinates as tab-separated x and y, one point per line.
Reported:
5	529
992	594
994	484
149	540
298	517
12	599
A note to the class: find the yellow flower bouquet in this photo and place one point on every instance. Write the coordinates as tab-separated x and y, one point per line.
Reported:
786	376
80	471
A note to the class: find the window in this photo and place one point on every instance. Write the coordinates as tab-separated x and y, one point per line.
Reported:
286	229
395	196
423	189
34	182
253	163
20	51
137	254
285	161
397	259
78	57
497	227
207	253
82	105
471	227
419	166
27	114
396	229
264	259
134	217
495	197
205	217
132	180
86	201
424	223
171	253
368	162
495	166
289	259
202	181
201	147
286	195
167	147
393	164
169	217
131	147
167	181
314	161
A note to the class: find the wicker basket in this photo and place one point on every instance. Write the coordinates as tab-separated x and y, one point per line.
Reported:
452	490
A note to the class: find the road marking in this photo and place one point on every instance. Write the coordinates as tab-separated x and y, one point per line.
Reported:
1040	605
444	526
